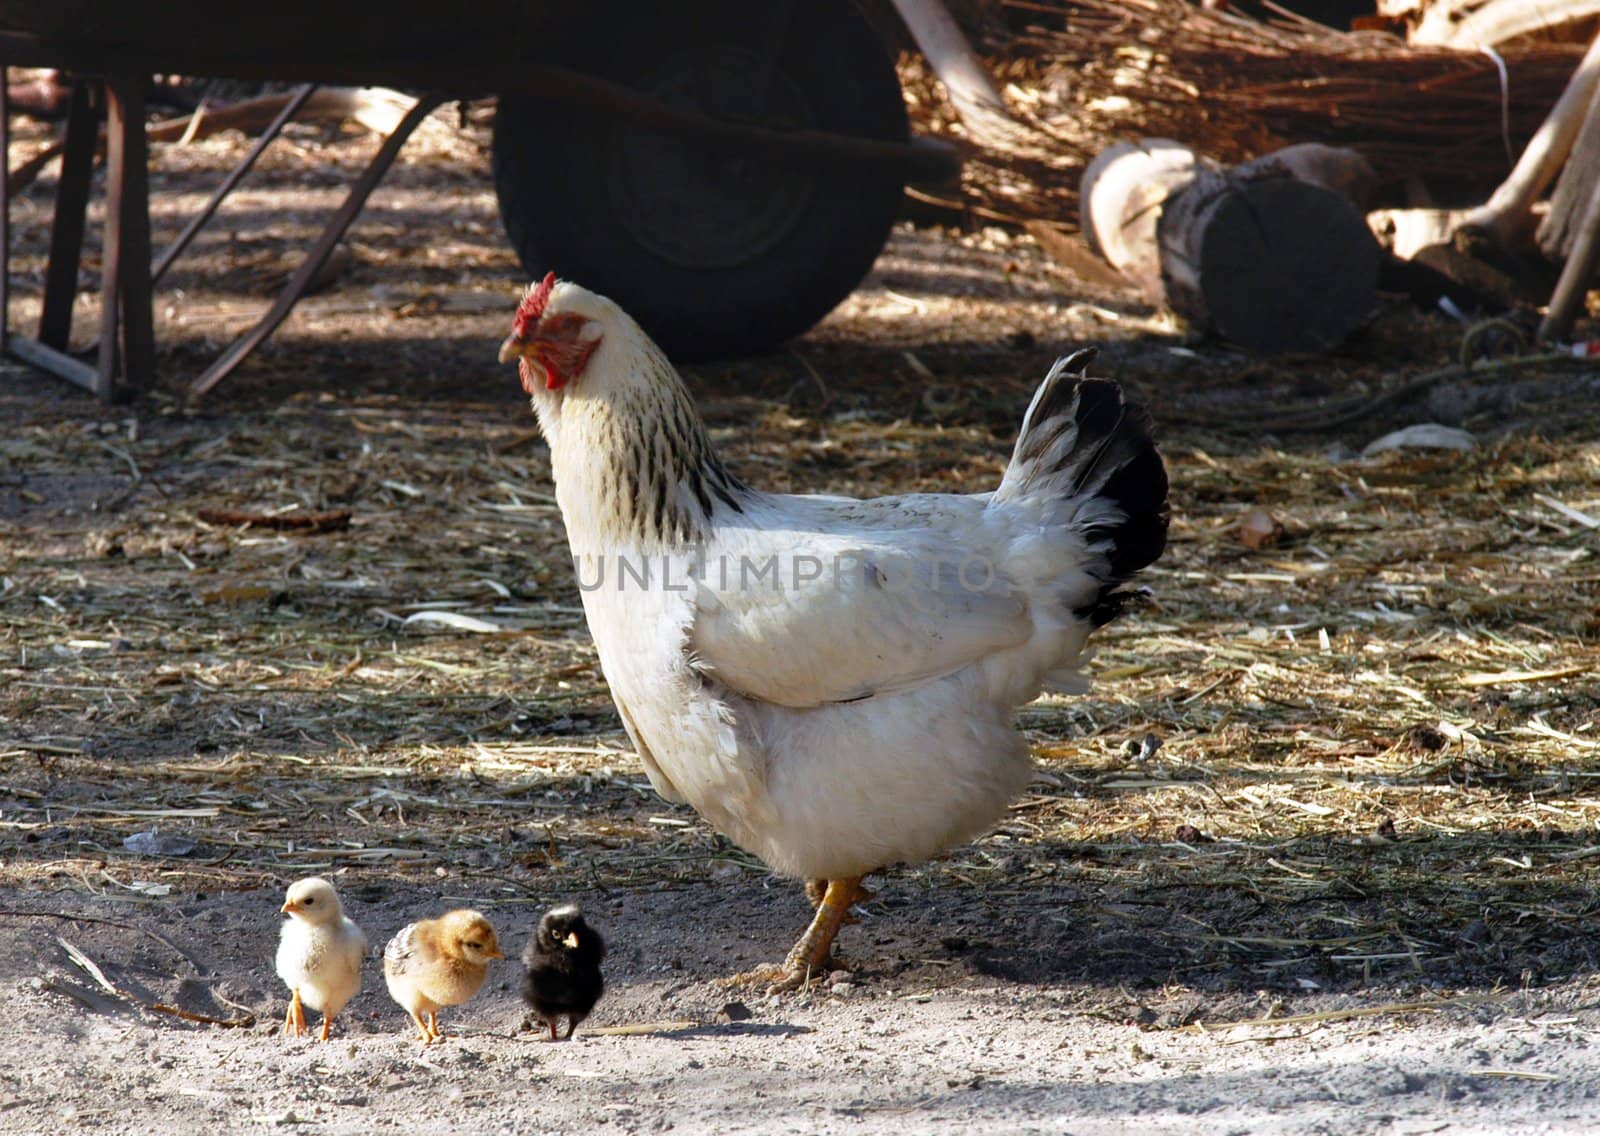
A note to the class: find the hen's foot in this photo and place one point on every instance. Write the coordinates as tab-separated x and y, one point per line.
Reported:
774	979
758	976
812	956
790	977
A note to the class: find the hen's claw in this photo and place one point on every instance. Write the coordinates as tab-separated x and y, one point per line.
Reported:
764	973
786	980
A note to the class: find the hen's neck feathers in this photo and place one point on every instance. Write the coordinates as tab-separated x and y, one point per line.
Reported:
633	464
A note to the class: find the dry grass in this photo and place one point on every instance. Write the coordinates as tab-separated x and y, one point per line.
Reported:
1079	75
1379	736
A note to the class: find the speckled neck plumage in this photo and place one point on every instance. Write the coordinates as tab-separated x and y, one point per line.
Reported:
635	466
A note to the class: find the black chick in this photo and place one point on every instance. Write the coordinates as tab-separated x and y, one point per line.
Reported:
562	968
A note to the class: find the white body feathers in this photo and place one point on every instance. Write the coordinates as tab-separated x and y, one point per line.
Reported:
830	682
322	960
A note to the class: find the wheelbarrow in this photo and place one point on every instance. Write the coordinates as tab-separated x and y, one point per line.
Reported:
726	170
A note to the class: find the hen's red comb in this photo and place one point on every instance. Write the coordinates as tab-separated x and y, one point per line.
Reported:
531	309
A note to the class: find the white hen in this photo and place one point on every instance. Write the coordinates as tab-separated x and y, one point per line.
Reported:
830	682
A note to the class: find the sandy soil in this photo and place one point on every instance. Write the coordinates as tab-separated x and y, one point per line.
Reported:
919	1036
1014	987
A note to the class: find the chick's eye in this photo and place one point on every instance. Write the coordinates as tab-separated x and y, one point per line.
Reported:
310	901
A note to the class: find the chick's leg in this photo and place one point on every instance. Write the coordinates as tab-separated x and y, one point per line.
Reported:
326	1020
433	1026
810	956
294	1021
422	1028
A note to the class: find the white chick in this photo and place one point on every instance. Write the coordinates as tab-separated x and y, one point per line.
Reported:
319	954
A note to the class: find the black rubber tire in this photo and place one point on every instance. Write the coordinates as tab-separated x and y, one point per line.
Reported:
714	255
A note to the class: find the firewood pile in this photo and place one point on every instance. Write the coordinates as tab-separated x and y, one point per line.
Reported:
1082	74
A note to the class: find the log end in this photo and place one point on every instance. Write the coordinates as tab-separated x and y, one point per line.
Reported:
1285	266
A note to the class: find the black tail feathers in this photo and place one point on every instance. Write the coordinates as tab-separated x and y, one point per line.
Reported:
1082	439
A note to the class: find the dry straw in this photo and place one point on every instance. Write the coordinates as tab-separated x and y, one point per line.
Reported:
1082	74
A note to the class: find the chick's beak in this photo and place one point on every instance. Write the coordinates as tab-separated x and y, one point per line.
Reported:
571	940
496	954
288	907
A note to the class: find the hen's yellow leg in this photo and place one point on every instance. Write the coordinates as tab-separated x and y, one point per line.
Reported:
817	889
810	956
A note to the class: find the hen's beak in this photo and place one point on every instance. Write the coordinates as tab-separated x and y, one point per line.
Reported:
513	348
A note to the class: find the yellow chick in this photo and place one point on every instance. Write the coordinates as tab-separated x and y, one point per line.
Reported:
319	954
439	962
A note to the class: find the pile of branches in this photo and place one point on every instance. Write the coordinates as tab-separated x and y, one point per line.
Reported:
1082	74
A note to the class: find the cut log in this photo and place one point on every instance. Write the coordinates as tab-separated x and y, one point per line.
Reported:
1331	167
1266	260
1481	276
1121	196
1404	232
1270	263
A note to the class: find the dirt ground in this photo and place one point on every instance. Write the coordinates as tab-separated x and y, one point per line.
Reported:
1317	854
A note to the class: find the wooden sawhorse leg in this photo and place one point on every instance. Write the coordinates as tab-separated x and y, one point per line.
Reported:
127	325
320	251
